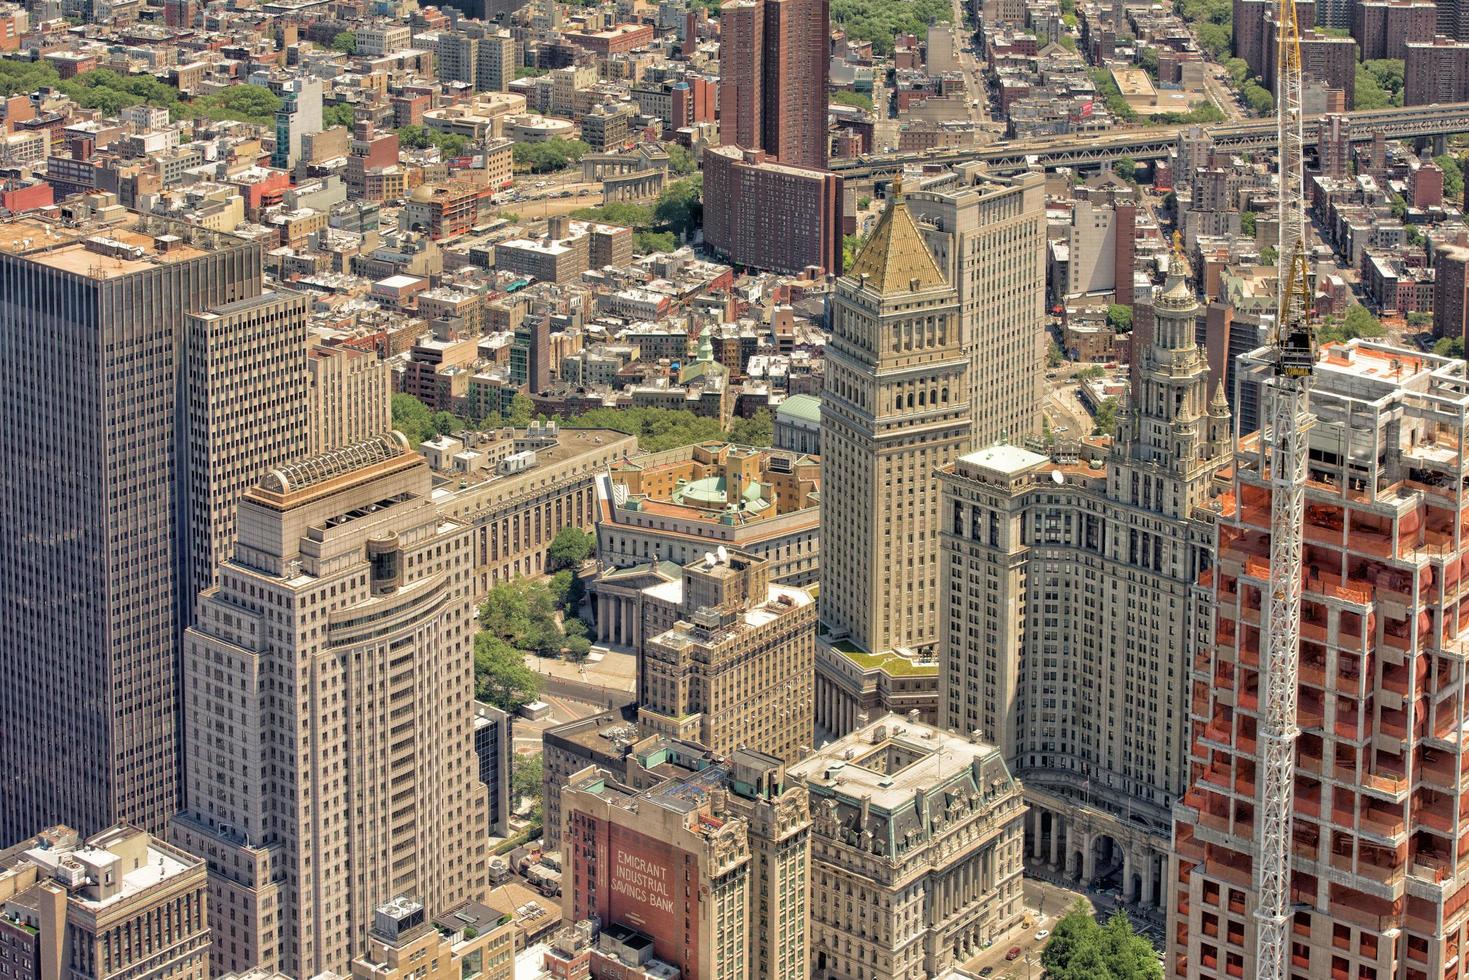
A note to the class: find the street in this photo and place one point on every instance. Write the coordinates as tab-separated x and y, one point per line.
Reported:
1046	903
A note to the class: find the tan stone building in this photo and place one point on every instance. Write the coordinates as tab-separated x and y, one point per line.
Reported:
1070	610
712	870
735	670
120	904
329	715
349	393
989	236
895	408
471	942
676	505
515	507
917	847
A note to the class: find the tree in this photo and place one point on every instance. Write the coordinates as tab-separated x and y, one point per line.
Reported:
570	548
1213	38
339	114
1126	168
680	160
577	647
855	99
506	614
657	429
501	677
527	782
1449	347
345	41
1358	322
1368	93
1147	60
1238	69
1053	354
1104	423
1257	97
679	208
758	430
1119	317
1414	234
646	242
412	418
1269	255
1399	207
548	155
881	21
521	410
447	423
242	103
1453	175
1247	223
1080	949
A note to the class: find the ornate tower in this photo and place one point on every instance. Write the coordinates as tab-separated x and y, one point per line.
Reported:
895	409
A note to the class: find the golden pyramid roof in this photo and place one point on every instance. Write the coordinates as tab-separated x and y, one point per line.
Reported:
895	257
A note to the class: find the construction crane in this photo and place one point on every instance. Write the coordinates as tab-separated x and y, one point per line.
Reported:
1289	422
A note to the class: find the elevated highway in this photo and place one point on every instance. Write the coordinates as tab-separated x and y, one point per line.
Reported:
1154	142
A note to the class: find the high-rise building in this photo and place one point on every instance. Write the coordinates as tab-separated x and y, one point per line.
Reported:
1451	292
712	869
918	841
1436	71
299	114
741	73
96	389
1070	608
894	410
349	397
330	673
751	206
1383	27
248	408
1378	836
1334	145
735	670
991	237
119	903
773	65
494	749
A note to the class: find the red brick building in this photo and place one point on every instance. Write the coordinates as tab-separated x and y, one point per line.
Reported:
773	78
1450	291
620	39
1383	28
766	215
1436	71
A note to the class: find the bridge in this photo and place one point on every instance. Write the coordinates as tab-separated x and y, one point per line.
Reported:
1154	142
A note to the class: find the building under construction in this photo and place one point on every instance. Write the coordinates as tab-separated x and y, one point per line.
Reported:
1379	874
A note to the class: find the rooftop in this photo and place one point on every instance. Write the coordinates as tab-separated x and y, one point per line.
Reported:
1000	458
96	252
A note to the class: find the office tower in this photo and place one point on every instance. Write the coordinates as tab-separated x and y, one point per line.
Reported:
918	840
991	233
895	409
530	354
765	215
330	673
741	72
119	903
349	397
248	409
1378	835
495	753
473	941
735	670
93	326
712	870
1071	607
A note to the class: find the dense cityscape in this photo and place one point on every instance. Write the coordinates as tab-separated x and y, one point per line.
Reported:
734	489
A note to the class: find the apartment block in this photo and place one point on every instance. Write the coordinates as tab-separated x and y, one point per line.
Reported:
712	870
894	410
904	887
348	583
120	903
1436	71
349	397
1451	291
989	236
773	66
1378	841
1383	28
734	670
765	215
96	389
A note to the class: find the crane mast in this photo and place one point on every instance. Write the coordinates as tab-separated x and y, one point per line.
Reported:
1289	420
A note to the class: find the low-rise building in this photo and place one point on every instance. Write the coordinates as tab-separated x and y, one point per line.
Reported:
470	941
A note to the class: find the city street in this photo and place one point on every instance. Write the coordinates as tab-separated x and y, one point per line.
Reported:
1046	903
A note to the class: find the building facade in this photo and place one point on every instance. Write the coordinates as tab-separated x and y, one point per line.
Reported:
1378	835
735	670
895	408
749	204
470	942
329	678
917	845
1069	609
93	326
349	394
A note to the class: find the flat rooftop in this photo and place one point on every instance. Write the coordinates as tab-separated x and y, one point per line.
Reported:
97	253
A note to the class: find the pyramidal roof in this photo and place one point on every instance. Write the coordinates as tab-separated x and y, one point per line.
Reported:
895	257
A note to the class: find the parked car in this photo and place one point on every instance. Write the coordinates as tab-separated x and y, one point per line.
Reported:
1014	953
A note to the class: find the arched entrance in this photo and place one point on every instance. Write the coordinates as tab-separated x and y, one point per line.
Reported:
1107	864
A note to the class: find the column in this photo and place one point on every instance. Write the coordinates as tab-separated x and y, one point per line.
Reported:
1150	897
1129	887
627	622
602	631
1088	863
1055	841
1040	826
1070	851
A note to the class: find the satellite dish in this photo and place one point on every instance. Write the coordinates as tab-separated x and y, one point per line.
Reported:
1057	478
723	555
709	559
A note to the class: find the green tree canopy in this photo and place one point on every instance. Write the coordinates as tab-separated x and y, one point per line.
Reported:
570	548
412	418
680	160
1453	176
881	21
1357	322
758	430
1126	168
345	41
679	208
339	114
1104	423
1247	223
1119	317
857	99
548	155
1449	347
657	429
1080	949
501	677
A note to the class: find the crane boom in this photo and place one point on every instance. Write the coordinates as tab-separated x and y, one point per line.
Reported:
1289	422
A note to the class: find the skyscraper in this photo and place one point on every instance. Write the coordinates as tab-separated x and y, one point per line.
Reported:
97	400
991	232
773	65
1070	609
895	409
1379	842
329	723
